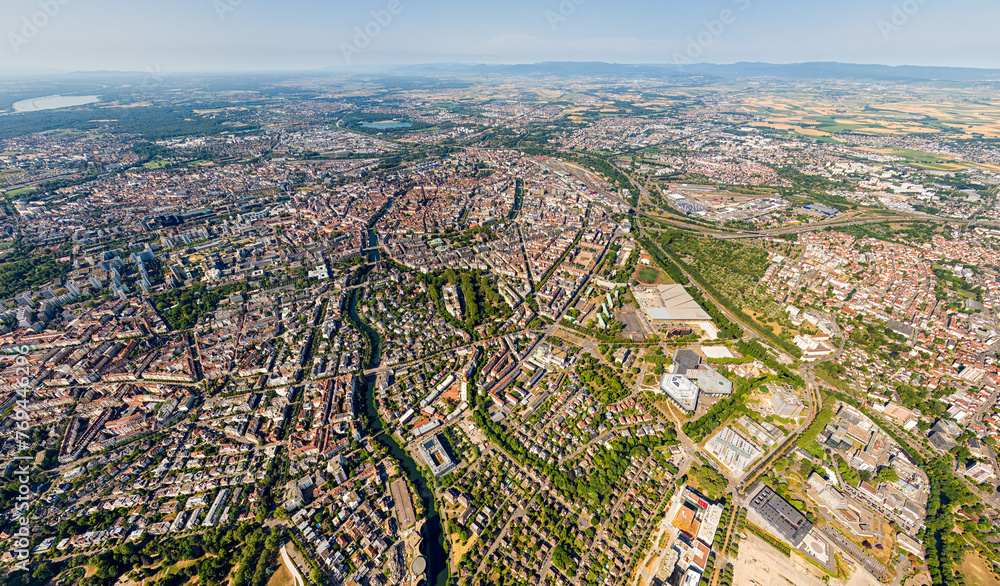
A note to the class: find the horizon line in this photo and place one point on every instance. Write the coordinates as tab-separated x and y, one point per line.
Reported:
39	71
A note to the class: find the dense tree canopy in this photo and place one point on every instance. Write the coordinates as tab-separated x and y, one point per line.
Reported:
30	267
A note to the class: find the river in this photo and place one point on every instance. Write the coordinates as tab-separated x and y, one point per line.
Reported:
436	555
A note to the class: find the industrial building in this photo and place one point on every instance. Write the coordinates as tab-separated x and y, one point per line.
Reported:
789	523
786	405
680	390
710	381
685	360
688	363
821	209
670	305
732	450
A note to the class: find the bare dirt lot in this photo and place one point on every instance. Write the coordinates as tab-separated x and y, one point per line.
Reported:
766	566
633	326
761	564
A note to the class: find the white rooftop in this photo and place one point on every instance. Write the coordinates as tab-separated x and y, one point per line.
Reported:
669	303
681	389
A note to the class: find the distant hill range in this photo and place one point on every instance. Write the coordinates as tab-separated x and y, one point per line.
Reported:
6	72
817	70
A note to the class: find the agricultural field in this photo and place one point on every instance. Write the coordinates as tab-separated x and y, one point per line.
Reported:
810	112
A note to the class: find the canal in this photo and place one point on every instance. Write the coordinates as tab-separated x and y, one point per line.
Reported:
433	534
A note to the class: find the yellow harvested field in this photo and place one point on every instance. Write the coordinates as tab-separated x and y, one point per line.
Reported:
811	112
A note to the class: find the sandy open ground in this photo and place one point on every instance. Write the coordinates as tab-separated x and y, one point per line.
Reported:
760	564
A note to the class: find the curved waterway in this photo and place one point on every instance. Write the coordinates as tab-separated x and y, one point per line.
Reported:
436	555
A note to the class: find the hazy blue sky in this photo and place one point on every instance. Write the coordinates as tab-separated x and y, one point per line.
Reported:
215	35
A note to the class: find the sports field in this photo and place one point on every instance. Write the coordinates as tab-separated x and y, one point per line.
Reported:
647	275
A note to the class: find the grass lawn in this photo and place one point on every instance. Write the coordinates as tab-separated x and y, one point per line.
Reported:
921	156
459	548
647	275
282	577
177	567
938	167
976	570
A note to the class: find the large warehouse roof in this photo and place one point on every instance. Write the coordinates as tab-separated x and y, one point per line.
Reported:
790	523
669	303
